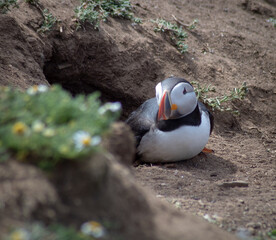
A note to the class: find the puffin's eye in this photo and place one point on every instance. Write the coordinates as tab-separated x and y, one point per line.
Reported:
184	91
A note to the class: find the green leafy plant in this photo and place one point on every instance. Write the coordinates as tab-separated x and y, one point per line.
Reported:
46	125
273	21
37	231
176	33
218	103
266	236
5	5
94	11
193	25
33	2
49	21
272	234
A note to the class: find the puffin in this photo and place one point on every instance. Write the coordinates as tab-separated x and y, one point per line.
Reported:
173	126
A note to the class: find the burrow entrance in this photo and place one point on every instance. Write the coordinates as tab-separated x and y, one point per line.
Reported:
86	62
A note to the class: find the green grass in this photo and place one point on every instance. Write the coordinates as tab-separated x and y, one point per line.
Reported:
38	231
272	234
193	24
33	2
48	23
49	20
266	236
95	11
273	21
220	103
6	5
46	126
175	32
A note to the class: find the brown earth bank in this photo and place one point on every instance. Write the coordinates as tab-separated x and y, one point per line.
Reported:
235	187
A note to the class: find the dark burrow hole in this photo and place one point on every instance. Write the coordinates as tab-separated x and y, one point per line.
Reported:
90	61
75	81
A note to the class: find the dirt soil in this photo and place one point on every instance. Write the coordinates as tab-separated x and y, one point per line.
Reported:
234	187
240	47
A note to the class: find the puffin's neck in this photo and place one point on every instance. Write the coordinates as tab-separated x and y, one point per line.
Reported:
192	119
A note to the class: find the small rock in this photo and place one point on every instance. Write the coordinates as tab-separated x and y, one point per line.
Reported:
234	184
251	230
253	225
170	165
243	234
213	174
241	201
201	203
177	204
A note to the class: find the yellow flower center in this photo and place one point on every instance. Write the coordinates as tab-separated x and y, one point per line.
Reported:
17	236
35	88
19	128
95	224
86	141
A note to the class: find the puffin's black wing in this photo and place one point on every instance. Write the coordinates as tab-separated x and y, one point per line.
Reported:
202	107
143	118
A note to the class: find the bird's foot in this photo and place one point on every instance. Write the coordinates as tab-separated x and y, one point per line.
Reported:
207	150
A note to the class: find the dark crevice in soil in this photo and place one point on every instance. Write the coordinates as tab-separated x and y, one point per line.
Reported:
75	80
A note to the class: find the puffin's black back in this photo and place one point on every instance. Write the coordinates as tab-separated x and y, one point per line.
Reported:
143	118
202	107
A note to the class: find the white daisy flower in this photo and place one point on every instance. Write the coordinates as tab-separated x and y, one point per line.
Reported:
95	140
83	139
93	229
38	126
20	234
113	107
49	132
37	89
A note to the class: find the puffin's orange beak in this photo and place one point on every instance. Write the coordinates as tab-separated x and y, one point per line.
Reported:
164	108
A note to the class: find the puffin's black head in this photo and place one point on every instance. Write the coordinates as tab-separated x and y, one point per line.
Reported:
176	98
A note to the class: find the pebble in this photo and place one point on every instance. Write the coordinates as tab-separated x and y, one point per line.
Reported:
170	165
234	184
213	174
253	225
201	203
241	201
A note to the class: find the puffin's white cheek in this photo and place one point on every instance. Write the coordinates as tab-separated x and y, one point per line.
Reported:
187	103
158	92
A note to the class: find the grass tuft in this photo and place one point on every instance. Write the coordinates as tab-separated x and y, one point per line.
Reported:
219	103
273	21
175	32
6	5
95	11
37	231
48	23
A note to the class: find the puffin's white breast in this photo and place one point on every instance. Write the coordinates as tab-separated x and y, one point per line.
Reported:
182	143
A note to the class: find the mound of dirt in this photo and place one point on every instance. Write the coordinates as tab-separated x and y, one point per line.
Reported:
100	189
25	193
106	191
233	43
